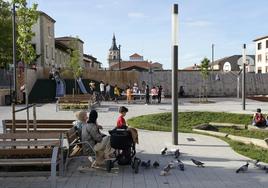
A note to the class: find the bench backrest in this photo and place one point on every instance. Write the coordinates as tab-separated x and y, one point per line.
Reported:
30	145
41	125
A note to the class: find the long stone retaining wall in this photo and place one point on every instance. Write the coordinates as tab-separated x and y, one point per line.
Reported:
224	86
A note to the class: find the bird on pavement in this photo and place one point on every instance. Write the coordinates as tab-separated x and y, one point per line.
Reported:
164	151
180	164
165	171
198	163
146	164
155	164
260	166
243	168
177	153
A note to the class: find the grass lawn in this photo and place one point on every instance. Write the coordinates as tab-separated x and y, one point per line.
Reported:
187	120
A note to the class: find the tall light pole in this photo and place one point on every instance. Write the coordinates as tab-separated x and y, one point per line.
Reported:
14	53
175	12
212	56
244	78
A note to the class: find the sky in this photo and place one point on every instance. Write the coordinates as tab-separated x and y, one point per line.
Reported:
144	27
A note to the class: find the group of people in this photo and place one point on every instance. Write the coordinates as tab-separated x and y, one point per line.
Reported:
105	91
259	120
89	132
155	93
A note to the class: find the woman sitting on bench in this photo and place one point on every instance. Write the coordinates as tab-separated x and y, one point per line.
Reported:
98	142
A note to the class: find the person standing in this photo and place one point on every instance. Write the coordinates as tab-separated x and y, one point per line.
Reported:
108	88
147	94
116	93
159	93
129	93
102	92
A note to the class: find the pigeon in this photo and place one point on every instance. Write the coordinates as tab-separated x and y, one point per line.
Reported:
243	168
155	164
165	171
181	165
164	151
198	163
146	164
260	166
171	164
177	153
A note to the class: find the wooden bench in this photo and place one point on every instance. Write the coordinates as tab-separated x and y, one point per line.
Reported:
41	125
32	149
73	100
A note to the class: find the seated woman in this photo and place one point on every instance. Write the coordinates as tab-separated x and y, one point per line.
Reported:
81	117
258	119
101	145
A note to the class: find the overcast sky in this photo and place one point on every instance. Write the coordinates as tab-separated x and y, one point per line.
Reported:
144	26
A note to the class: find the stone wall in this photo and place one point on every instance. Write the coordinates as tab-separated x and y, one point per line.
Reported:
256	84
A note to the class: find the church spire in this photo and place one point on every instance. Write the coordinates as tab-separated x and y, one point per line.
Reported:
114	46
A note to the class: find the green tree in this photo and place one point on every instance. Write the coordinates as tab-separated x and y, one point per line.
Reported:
74	63
5	34
205	73
26	18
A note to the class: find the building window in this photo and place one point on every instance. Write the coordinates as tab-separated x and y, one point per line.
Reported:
49	31
46	51
259	46
266	69
266	57
266	43
259	69
52	52
259	58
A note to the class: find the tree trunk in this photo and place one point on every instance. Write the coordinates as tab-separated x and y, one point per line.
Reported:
26	95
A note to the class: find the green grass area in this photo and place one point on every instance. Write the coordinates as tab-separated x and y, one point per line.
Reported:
250	151
187	120
247	133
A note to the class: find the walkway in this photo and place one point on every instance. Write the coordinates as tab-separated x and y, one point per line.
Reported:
220	160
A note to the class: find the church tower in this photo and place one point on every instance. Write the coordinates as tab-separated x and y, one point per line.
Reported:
114	54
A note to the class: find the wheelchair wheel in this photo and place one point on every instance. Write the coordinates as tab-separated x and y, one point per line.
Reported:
136	166
109	165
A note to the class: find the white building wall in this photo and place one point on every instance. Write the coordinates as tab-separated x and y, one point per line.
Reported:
261	57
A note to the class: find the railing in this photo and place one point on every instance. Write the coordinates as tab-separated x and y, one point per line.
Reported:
14	111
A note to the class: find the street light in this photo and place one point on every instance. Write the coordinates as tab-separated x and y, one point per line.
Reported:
244	79
175	74
14	53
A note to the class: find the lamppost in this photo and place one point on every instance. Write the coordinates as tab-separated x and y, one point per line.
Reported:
244	79
212	56
175	74
14	53
119	65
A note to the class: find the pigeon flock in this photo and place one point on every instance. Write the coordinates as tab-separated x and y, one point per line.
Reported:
178	163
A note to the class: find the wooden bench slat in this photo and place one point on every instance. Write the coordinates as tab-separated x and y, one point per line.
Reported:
40	121
66	126
25	162
30	135
40	131
25	151
29	143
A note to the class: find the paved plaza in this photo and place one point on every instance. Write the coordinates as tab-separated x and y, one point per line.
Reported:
220	160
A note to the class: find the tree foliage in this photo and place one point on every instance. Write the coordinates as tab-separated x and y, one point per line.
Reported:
74	63
26	18
5	34
204	68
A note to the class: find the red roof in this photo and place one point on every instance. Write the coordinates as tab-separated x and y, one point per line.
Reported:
128	64
135	55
